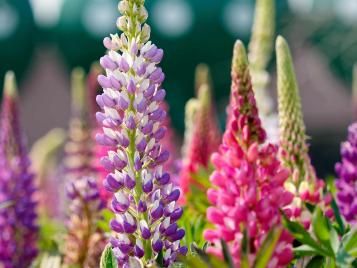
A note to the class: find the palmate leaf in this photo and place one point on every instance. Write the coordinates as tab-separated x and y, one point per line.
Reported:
199	258
108	259
316	262
103	223
347	252
305	250
300	234
321	228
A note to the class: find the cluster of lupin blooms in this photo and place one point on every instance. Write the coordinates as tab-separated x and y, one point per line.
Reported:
248	181
260	50
302	182
144	198
84	242
204	134
346	170
169	142
78	150
18	226
44	154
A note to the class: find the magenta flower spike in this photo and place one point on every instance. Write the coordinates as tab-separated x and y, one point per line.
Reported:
132	117
248	181
18	226
346	182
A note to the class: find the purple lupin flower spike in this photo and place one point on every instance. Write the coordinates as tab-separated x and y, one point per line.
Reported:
145	199
18	225
84	241
347	177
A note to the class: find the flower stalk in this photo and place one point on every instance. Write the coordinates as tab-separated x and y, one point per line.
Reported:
248	182
132	117
203	139
18	222
302	182
260	51
84	241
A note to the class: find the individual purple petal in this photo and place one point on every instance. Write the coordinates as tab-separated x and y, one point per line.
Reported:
144	229
157	210
157	243
107	63
131	86
104	81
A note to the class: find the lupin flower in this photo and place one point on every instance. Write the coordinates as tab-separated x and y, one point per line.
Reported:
18	222
204	137
84	242
78	149
260	50
169	142
44	154
248	181
94	89
347	177
132	117
303	182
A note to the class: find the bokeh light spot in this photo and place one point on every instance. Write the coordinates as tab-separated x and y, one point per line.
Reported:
172	18
99	17
238	17
9	20
46	12
346	11
301	6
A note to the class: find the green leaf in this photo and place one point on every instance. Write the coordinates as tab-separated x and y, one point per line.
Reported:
316	262
305	250
334	240
160	259
299	232
321	229
227	254
245	250
338	218
108	259
267	248
350	240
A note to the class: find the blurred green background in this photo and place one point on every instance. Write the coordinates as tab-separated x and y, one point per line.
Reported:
42	40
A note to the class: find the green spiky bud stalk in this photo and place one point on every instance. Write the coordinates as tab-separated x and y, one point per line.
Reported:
303	182
202	76
261	43
260	51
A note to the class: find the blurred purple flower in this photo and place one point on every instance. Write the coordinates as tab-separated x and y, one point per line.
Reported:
347	176
19	230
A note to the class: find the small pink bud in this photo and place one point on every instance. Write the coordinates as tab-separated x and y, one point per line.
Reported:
253	152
